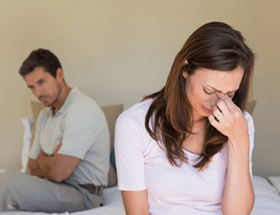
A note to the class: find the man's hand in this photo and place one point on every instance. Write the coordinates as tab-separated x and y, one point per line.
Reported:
35	169
58	147
57	167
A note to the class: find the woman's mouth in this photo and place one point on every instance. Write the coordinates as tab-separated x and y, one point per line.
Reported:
206	109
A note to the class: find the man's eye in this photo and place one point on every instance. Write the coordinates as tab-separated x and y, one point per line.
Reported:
40	82
206	92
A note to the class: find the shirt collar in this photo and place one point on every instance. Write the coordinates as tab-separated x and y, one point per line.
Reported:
65	104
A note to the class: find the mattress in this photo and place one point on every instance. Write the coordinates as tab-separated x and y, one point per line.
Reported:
267	199
267	202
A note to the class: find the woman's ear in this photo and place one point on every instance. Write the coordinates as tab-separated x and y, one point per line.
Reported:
185	74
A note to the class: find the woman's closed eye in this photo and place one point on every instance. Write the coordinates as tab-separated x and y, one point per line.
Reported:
230	95
209	93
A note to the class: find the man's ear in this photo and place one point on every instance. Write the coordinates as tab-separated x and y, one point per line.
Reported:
59	74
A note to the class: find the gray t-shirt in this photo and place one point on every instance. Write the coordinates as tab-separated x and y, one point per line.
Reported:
82	126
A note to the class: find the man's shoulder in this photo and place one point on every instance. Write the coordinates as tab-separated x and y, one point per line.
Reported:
83	108
80	101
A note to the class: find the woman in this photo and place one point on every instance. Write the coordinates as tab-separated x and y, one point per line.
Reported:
187	148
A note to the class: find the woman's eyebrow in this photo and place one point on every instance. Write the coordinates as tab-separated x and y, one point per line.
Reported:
220	90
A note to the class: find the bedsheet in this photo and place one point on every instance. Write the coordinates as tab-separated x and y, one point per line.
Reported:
267	199
267	202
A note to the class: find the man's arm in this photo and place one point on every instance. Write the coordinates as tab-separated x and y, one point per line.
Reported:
35	169
81	129
57	167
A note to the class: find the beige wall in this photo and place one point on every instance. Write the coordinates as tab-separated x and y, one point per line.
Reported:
119	51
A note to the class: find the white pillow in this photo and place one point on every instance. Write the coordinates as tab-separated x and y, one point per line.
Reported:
27	134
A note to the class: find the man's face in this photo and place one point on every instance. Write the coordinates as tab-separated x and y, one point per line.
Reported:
44	86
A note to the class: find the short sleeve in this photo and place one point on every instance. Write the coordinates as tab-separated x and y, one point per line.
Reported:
35	148
251	130
129	149
81	129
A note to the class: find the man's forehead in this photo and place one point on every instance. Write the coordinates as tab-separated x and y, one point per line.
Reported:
36	75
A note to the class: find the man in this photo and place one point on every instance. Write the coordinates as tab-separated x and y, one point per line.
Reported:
69	158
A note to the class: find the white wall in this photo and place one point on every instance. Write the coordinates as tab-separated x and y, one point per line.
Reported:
119	51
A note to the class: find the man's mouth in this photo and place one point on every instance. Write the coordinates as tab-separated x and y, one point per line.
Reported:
42	98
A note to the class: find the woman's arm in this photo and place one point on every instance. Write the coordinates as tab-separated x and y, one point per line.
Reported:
238	197
135	202
130	148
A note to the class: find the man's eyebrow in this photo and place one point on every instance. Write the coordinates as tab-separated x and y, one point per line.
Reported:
220	90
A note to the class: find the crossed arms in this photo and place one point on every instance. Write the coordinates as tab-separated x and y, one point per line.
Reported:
54	168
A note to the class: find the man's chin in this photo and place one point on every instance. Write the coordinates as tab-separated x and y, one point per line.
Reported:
47	104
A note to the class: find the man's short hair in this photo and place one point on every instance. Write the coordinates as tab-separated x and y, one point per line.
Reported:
40	58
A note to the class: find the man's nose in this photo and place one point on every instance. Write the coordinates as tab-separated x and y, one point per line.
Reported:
37	91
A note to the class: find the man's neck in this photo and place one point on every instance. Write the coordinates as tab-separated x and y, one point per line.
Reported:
65	90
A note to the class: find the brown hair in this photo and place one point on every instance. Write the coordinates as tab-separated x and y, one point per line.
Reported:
215	46
40	58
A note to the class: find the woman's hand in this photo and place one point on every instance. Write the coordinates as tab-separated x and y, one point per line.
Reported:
238	197
229	119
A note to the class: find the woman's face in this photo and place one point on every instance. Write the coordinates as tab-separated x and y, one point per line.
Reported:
201	88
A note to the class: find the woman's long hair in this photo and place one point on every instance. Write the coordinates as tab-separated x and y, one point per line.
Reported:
215	46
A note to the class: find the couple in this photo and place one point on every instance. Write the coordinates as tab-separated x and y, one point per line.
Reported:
185	149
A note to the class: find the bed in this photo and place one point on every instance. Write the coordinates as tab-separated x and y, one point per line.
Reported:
267	201
112	205
267	198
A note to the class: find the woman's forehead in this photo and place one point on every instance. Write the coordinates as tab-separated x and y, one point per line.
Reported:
224	81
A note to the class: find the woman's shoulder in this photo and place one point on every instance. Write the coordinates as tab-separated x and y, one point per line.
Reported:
136	113
250	122
131	124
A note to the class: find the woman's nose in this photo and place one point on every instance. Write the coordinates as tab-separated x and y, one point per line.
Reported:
214	100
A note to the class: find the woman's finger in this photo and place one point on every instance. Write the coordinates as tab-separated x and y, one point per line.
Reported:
216	112
227	100
223	107
214	122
